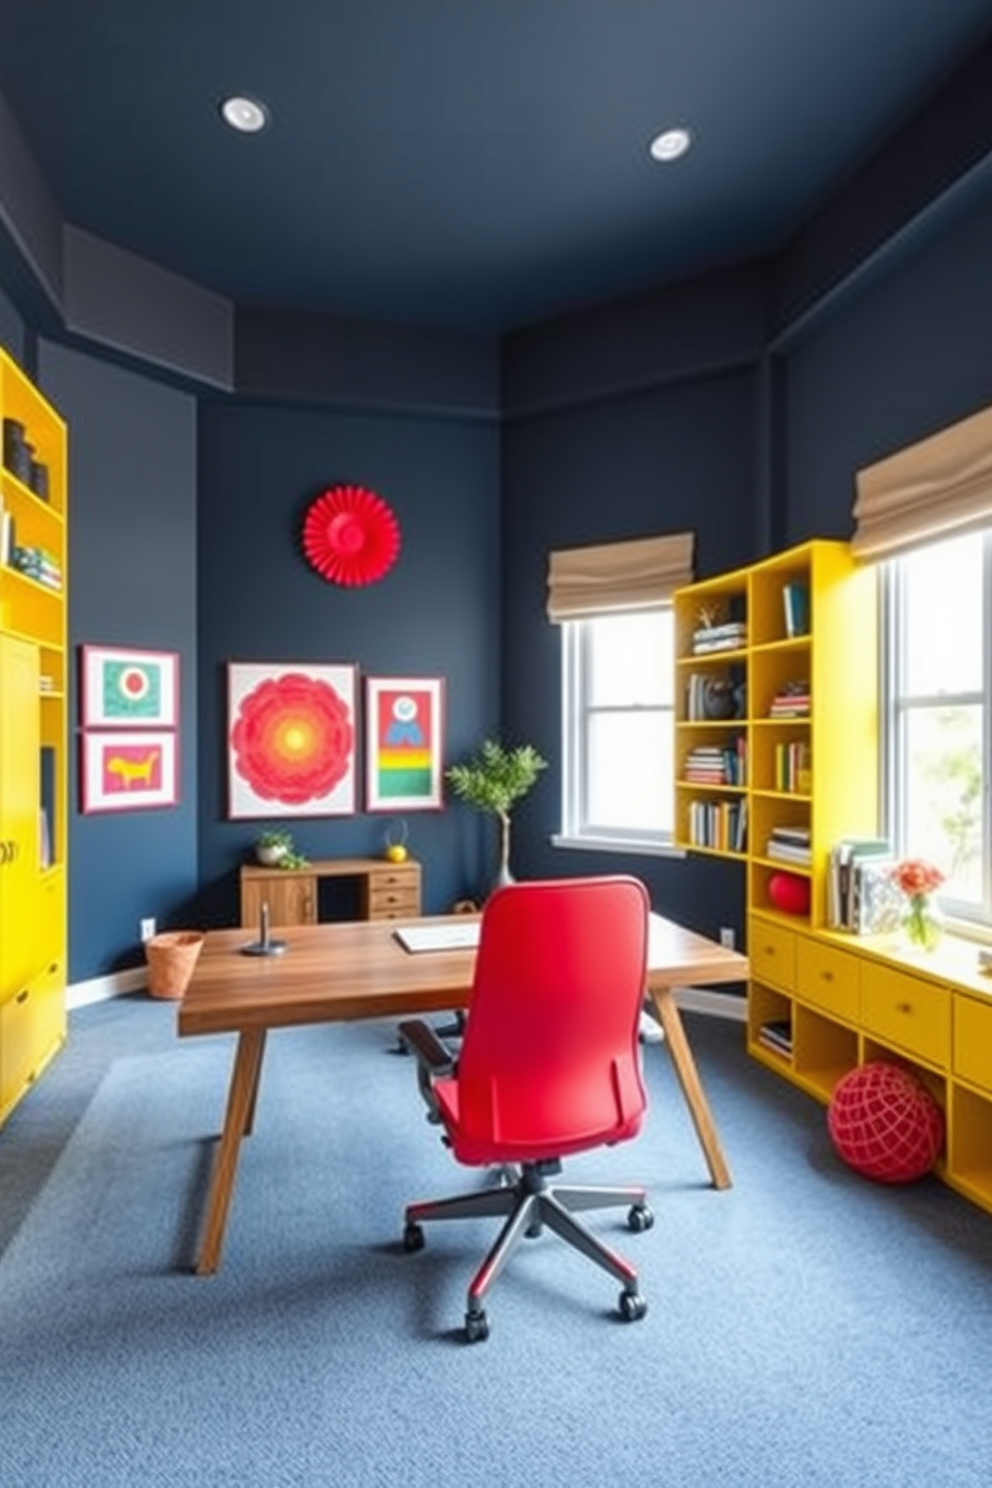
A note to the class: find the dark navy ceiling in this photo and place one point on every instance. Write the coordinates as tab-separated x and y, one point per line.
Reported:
464	163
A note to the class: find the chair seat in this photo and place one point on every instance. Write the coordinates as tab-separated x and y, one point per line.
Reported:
520	1136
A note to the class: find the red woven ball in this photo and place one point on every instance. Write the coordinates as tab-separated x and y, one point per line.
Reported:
885	1123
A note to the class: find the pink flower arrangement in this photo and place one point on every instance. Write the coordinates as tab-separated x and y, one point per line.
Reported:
916	876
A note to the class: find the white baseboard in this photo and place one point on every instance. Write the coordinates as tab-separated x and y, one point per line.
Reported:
101	989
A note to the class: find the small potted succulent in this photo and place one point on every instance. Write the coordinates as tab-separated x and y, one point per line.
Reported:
274	849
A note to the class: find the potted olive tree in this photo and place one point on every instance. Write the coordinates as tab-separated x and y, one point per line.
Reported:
493	780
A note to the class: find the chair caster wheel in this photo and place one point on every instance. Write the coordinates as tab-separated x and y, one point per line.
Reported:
413	1236
632	1306
476	1327
640	1218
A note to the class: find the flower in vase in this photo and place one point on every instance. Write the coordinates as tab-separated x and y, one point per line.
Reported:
919	880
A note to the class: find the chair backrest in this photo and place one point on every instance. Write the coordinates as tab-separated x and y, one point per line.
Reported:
550	1058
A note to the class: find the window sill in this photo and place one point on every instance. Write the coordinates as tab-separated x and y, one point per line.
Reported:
618	845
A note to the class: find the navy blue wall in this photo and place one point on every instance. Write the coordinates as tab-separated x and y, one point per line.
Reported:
678	457
435	613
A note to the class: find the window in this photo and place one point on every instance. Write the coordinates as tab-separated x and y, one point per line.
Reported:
618	691
938	681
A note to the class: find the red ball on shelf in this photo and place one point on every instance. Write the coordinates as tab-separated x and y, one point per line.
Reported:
789	892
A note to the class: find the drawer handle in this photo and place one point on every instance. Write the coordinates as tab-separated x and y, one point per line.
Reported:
904	1007
23	995
769	950
827	976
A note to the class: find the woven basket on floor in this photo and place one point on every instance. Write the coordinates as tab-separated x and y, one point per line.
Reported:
171	958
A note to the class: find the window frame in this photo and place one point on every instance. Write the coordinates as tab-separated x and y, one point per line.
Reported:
576	828
897	705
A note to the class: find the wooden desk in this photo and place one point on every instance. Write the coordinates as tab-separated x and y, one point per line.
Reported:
338	972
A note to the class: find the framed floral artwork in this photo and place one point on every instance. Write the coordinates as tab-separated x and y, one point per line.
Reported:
404	733
124	688
291	740
128	769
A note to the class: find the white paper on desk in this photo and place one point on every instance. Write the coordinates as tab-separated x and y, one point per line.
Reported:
460	937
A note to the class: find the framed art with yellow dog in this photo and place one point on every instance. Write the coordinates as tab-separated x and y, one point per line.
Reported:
128	769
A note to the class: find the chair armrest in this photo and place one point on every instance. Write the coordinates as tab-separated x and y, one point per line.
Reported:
421	1040
435	1061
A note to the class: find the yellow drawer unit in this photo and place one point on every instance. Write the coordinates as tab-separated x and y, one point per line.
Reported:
908	1012
973	1040
827	978
772	953
32	1027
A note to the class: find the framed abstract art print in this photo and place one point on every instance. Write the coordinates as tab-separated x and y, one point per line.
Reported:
125	688
291	739
404	743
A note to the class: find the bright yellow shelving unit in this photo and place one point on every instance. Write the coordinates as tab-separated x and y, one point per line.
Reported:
33	773
833	1000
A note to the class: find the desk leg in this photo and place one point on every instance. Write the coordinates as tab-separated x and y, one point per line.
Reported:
688	1077
237	1120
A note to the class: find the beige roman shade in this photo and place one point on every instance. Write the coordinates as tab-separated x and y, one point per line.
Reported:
937	488
610	578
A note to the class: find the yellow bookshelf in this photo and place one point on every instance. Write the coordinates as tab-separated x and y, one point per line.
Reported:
33	732
822	1002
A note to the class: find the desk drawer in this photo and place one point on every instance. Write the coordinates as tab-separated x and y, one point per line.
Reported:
828	978
395	877
905	1010
394	904
973	1040
772	953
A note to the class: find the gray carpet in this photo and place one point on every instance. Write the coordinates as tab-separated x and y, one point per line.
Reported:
805	1327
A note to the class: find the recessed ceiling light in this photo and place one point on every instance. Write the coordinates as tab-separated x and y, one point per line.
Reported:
245	114
671	144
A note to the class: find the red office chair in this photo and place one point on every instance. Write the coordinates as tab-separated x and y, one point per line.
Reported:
549	1065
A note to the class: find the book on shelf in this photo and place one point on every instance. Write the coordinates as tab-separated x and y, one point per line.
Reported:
793	768
791	701
795	601
730	636
790	845
845	856
877	900
776	1034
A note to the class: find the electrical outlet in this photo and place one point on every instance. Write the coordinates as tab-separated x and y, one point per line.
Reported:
727	937
146	928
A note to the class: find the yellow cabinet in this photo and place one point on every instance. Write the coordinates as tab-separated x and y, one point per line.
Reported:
972	1037
772	953
828	978
33	773
19	806
907	1012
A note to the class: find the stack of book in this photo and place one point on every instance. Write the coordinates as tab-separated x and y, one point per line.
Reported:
38	564
709	764
862	895
730	636
790	845
791	701
776	1034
